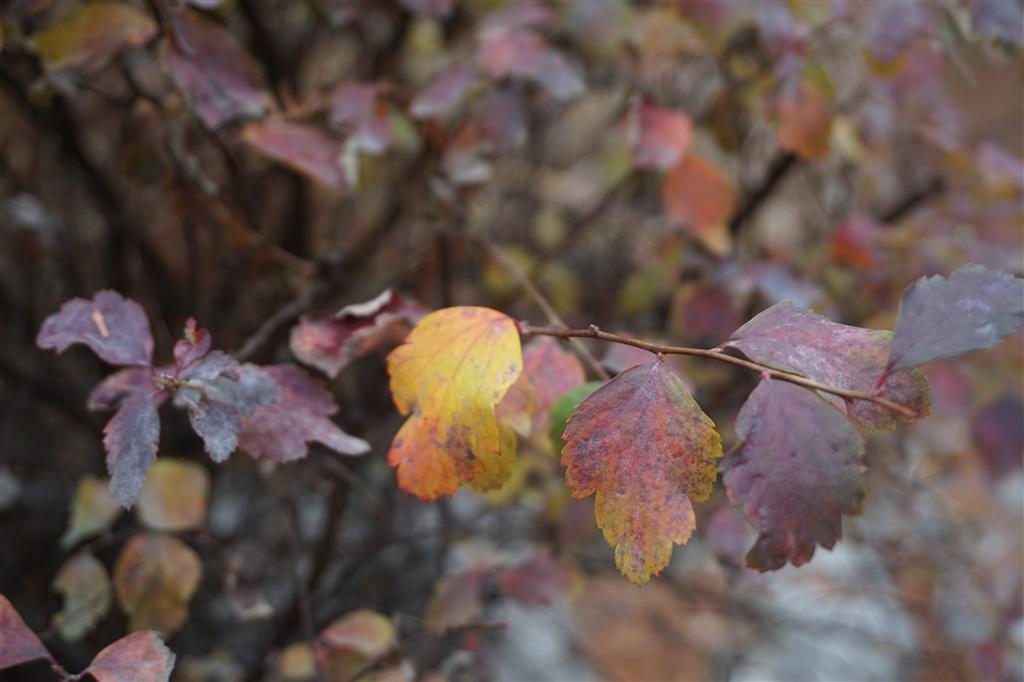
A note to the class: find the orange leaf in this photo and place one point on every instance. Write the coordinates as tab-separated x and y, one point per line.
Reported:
452	370
701	196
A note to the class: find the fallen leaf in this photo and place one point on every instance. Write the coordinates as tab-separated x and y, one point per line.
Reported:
139	657
20	644
299	415
643	445
155	577
796	472
93	510
174	496
452	370
974	308
85	584
113	327
90	34
798	340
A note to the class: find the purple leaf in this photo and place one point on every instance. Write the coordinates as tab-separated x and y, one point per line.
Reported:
798	340
113	327
525	54
330	342
130	439
306	149
797	471
444	92
20	644
195	344
357	109
217	76
218	425
975	308
300	414
110	392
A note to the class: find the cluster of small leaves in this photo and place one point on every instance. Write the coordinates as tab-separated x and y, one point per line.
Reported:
643	446
271	411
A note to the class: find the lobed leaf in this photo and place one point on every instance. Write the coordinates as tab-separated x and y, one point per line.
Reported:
174	496
137	657
113	327
796	472
85	584
130	440
974	308
798	340
330	341
643	445
452	370
20	644
280	432
215	74
155	577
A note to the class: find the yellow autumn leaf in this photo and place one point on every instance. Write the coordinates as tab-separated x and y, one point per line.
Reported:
452	370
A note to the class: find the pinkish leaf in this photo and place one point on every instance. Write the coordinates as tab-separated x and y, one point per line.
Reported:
538	580
444	92
217	76
661	137
114	388
20	644
456	600
797	471
974	308
798	340
137	657
300	414
525	54
193	346
113	327
130	439
357	109
306	149
330	342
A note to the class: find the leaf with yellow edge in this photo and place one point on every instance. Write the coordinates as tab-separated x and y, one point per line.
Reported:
452	370
644	446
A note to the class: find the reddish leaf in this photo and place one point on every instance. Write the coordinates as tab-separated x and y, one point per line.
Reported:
797	471
113	327
357	109
330	342
798	340
525	54
974	308
90	34
300	414
155	577
538	580
456	600
645	447
661	137
20	644
805	115
193	346
728	535
701	196
704	314
130	439
855	242
444	92
549	370
306	149
998	433
141	656
216	75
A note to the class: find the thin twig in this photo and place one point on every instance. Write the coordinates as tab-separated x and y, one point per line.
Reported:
593	332
542	302
288	312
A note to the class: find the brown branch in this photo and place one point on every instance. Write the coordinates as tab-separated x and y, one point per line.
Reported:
593	332
288	312
780	167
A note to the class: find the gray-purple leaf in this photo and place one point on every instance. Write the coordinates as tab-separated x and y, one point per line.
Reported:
974	308
300	415
114	327
796	472
110	392
444	92
218	425
130	439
